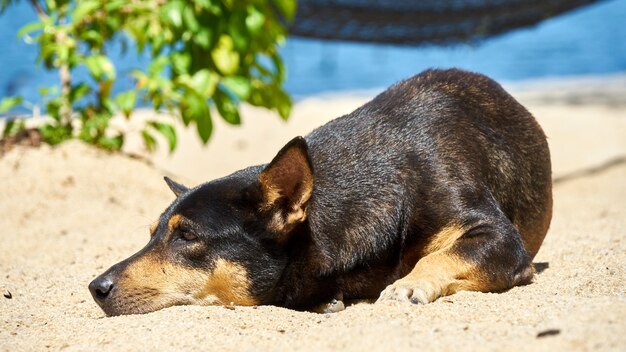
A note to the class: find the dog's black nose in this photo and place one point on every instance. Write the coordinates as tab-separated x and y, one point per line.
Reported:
100	288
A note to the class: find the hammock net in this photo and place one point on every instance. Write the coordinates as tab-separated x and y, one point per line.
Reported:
414	22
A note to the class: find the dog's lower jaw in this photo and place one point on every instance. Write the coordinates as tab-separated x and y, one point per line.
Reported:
128	307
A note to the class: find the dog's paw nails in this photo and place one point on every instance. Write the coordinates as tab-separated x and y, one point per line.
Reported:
334	306
413	292
419	296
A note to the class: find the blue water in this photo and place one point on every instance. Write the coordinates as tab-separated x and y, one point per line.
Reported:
590	40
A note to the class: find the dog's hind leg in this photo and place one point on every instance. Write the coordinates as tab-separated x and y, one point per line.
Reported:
487	256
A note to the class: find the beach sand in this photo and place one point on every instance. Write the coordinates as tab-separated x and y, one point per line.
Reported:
70	212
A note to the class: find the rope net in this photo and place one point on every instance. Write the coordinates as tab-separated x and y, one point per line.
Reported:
414	22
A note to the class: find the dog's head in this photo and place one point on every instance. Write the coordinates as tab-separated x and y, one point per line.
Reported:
220	243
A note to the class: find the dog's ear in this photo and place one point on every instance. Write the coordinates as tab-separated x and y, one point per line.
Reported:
177	188
287	184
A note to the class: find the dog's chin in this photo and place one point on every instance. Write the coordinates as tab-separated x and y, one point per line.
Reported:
117	307
127	307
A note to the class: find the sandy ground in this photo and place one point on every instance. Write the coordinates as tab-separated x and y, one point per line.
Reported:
68	213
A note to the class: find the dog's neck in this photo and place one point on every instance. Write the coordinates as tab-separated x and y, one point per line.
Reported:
304	281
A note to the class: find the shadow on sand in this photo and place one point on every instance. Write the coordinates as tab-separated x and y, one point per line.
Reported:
590	171
541	266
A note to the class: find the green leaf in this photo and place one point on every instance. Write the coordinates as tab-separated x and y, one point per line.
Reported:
205	126
31	27
9	103
167	131
157	65
254	20
93	37
53	107
181	62
55	134
282	103
273	97
195	108
279	66
203	38
148	140
84	8
191	106
287	8
63	53
204	82
111	143
173	11
43	91
13	127
116	5
239	85
79	91
227	108
126	102
190	19
100	65
8	127
224	57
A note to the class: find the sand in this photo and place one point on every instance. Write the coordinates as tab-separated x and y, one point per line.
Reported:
68	213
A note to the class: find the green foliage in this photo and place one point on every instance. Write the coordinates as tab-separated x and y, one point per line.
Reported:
13	127
204	53
9	103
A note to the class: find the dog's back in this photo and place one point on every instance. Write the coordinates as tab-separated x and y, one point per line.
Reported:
421	156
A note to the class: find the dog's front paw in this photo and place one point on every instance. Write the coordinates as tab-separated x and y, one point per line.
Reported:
333	306
407	290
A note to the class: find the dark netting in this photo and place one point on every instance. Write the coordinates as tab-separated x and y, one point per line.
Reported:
421	21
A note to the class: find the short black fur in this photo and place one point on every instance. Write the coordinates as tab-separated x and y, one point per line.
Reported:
444	147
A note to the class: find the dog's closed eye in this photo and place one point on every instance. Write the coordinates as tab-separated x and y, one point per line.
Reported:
187	235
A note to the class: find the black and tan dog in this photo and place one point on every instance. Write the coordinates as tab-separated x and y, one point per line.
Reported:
439	184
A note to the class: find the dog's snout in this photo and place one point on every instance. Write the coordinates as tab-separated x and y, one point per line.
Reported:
100	288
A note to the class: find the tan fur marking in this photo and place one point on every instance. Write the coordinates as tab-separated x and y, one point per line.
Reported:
174	222
447	273
277	223
271	194
150	283
435	275
288	175
149	271
281	225
153	227
229	283
440	272
444	239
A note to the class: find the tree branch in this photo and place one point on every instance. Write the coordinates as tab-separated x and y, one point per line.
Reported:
37	6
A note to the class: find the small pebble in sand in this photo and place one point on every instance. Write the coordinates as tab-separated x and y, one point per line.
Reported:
7	294
549	332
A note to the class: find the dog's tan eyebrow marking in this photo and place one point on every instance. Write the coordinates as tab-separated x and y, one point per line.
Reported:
174	222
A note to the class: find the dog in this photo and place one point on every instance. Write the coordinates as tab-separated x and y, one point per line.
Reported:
441	183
